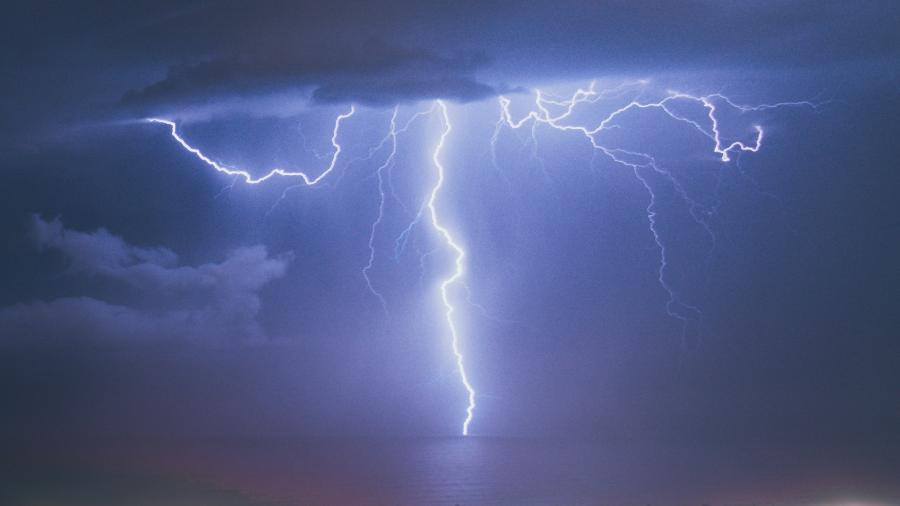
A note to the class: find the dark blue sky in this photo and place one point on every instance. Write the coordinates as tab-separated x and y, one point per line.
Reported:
143	294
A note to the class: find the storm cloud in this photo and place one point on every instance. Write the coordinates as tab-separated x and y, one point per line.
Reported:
374	74
229	290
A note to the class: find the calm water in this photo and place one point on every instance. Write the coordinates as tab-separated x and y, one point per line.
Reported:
437	471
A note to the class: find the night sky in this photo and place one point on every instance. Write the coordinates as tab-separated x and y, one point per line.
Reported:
730	317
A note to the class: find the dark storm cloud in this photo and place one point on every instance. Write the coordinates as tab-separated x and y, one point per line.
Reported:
229	312
376	74
393	91
412	52
73	64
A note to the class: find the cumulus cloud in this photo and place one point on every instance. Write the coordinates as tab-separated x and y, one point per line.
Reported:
229	291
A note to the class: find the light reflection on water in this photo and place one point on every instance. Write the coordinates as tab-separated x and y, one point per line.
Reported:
440	471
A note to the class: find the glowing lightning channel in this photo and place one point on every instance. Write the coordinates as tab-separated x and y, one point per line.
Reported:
247	176
458	273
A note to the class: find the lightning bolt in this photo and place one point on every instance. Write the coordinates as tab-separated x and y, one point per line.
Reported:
457	274
429	208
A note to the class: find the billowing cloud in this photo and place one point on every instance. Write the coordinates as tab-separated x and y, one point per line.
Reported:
229	289
102	253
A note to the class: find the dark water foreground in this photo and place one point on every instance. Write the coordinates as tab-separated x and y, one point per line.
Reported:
429	471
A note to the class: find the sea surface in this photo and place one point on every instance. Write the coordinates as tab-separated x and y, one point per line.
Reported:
464	471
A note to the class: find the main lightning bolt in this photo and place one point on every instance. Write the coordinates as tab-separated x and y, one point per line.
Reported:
458	264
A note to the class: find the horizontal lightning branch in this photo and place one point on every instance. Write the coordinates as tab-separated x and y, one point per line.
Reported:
247	176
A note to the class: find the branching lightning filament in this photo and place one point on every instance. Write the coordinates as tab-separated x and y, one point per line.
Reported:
641	162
